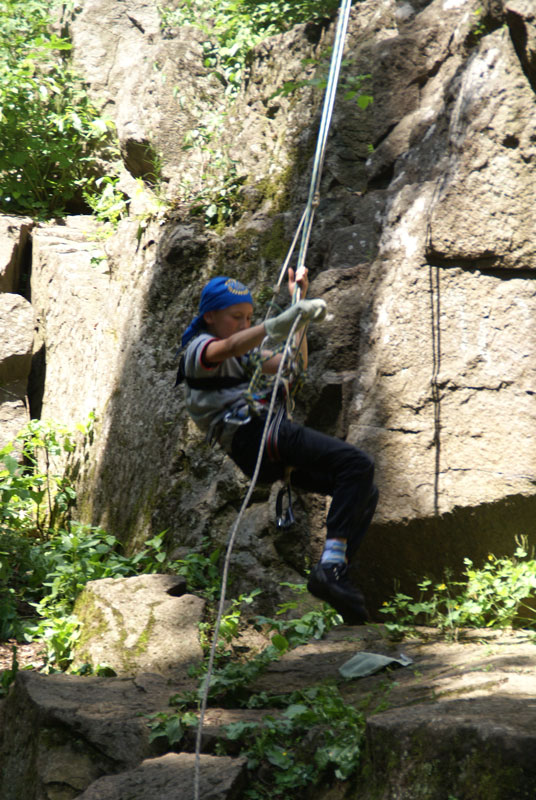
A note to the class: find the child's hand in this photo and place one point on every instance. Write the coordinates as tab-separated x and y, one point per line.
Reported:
279	327
300	279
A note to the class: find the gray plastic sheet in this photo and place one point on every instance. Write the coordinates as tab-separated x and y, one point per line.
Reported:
363	664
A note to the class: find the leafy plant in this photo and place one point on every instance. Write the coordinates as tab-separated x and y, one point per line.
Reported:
34	496
231	678
289	633
109	204
46	558
58	635
318	734
219	199
51	132
201	571
170	727
234	27
500	594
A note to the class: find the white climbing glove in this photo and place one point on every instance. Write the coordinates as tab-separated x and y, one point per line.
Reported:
279	327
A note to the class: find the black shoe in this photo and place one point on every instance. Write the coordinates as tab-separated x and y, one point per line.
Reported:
329	582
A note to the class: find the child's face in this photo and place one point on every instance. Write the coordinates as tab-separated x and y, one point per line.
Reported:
225	321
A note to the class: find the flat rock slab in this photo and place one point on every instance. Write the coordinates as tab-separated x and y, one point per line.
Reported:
62	732
171	777
478	664
460	721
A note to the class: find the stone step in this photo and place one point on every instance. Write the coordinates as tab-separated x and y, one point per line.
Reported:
171	777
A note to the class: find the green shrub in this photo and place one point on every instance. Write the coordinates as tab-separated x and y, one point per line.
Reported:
234	27
46	558
500	594
50	132
318	735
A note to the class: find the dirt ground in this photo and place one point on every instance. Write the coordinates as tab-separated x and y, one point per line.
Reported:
28	654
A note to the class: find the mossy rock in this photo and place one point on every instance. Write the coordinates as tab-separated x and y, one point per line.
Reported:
141	624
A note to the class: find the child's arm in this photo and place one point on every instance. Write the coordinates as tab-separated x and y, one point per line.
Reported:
235	345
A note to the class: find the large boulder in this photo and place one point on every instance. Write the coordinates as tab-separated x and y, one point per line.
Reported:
146	623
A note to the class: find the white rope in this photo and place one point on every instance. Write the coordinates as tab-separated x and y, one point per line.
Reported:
306	221
325	122
305	229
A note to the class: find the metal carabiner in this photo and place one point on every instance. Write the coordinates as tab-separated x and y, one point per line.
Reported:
285	519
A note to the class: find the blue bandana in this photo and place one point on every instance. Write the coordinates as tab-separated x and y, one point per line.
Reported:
218	293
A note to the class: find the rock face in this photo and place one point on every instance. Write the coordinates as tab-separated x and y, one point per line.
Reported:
66	732
16	343
422	247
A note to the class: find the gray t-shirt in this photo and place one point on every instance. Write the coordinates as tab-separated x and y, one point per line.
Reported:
205	406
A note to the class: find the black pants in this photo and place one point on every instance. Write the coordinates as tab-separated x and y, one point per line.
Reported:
321	464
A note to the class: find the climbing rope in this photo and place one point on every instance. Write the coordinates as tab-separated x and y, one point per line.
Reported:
306	222
304	229
225	575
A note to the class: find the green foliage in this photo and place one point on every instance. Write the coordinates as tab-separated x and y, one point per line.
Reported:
50	131
201	571
171	728
230	679
233	27
317	736
46	558
33	498
289	633
350	85
108	204
218	202
501	594
86	553
229	683
213	187
480	26
230	624
58	635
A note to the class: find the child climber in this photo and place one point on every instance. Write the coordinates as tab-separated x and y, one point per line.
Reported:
216	368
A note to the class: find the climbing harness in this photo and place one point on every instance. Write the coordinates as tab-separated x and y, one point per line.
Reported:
304	229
